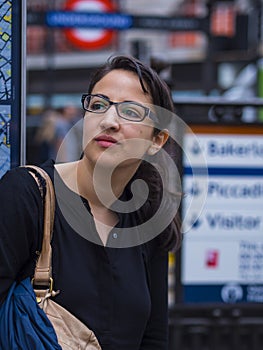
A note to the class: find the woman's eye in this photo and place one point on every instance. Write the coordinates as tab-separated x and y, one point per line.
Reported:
98	106
131	113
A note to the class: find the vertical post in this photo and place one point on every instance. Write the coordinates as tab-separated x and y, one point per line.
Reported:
12	84
208	65
141	50
23	84
50	52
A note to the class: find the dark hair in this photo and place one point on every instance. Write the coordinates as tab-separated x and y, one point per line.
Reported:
160	94
150	81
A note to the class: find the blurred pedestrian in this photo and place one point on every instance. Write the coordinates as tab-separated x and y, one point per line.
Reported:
59	136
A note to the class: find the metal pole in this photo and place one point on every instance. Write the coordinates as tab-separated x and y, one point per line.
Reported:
23	85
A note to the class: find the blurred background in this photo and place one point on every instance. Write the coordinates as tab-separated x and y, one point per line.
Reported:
210	54
201	48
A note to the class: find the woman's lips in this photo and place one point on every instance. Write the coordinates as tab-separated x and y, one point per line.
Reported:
105	141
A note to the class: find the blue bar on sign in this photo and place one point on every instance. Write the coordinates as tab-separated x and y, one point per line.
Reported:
210	293
74	19
223	171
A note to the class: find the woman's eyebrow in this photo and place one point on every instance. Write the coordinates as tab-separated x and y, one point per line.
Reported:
136	102
102	95
107	98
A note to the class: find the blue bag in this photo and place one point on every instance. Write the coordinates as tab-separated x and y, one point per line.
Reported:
23	324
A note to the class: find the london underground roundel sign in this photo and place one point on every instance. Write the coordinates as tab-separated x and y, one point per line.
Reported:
89	39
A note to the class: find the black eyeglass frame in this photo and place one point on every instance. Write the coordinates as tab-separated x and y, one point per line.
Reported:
148	112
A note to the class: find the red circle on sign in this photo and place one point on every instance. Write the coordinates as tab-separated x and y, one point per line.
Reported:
87	41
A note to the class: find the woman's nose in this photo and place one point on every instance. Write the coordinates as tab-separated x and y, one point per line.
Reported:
110	119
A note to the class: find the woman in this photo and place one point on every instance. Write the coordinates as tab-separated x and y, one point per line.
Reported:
116	285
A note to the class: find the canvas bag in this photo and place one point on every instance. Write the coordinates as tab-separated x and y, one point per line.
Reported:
71	332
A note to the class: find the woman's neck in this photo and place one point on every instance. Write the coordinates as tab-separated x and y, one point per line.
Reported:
99	186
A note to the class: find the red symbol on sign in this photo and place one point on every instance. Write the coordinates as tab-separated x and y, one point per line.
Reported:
89	39
211	259
223	20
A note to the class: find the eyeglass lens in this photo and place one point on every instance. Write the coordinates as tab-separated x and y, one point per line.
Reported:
127	110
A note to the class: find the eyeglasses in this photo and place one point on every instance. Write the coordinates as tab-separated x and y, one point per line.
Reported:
128	110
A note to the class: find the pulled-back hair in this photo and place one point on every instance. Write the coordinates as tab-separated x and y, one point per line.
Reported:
160	95
150	81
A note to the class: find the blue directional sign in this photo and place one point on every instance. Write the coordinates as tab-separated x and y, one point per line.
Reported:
116	21
222	251
74	19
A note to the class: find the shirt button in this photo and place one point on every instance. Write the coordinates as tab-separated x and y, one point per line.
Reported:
115	235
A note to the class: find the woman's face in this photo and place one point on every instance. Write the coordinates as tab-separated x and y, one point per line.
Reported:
116	140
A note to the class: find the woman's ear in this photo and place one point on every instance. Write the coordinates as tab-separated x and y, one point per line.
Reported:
158	141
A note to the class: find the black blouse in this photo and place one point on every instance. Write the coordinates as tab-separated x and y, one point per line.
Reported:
120	293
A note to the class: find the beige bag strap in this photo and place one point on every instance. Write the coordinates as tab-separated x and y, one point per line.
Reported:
43	270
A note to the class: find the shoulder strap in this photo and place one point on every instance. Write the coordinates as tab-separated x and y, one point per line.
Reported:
43	270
